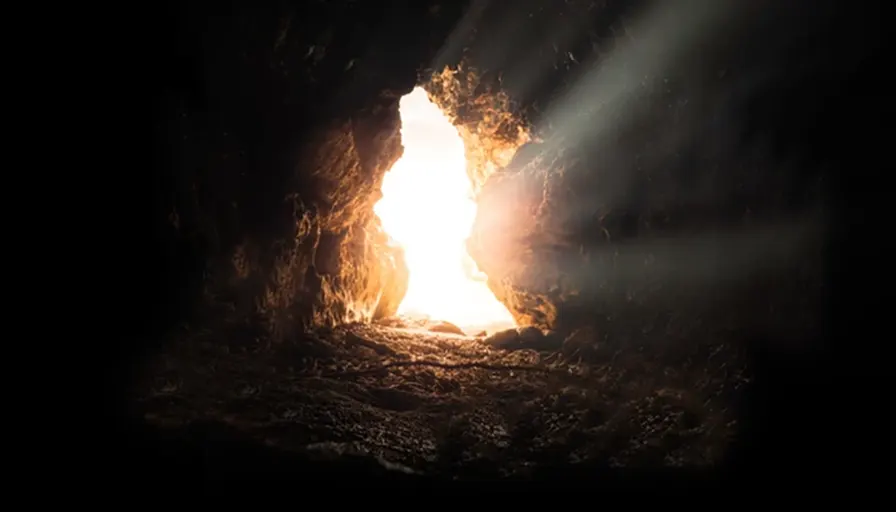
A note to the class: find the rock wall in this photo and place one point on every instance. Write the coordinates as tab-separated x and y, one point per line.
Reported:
277	125
658	167
340	267
672	186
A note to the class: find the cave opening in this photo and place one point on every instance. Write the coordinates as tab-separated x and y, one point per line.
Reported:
616	191
428	208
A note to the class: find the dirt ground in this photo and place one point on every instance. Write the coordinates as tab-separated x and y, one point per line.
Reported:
441	403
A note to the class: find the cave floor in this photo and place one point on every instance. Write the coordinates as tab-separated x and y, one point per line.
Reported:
447	404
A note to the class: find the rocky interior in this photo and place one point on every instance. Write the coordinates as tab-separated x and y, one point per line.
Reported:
645	243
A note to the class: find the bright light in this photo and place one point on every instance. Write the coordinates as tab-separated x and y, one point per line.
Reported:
428	208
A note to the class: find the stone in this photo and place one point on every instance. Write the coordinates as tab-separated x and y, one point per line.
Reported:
579	343
507	339
578	231
528	337
446	327
535	339
283	135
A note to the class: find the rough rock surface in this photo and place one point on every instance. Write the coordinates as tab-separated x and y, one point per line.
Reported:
525	338
448	406
276	130
663	189
655	242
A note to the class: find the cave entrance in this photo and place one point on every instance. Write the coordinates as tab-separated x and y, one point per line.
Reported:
428	208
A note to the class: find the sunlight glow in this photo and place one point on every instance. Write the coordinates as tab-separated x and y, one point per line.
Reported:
428	208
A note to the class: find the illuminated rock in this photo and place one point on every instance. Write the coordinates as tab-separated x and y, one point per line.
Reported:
447	327
275	140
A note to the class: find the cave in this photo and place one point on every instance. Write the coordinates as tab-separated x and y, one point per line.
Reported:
482	240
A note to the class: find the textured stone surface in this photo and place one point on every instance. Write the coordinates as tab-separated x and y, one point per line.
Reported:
285	119
446	406
278	127
666	190
668	248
